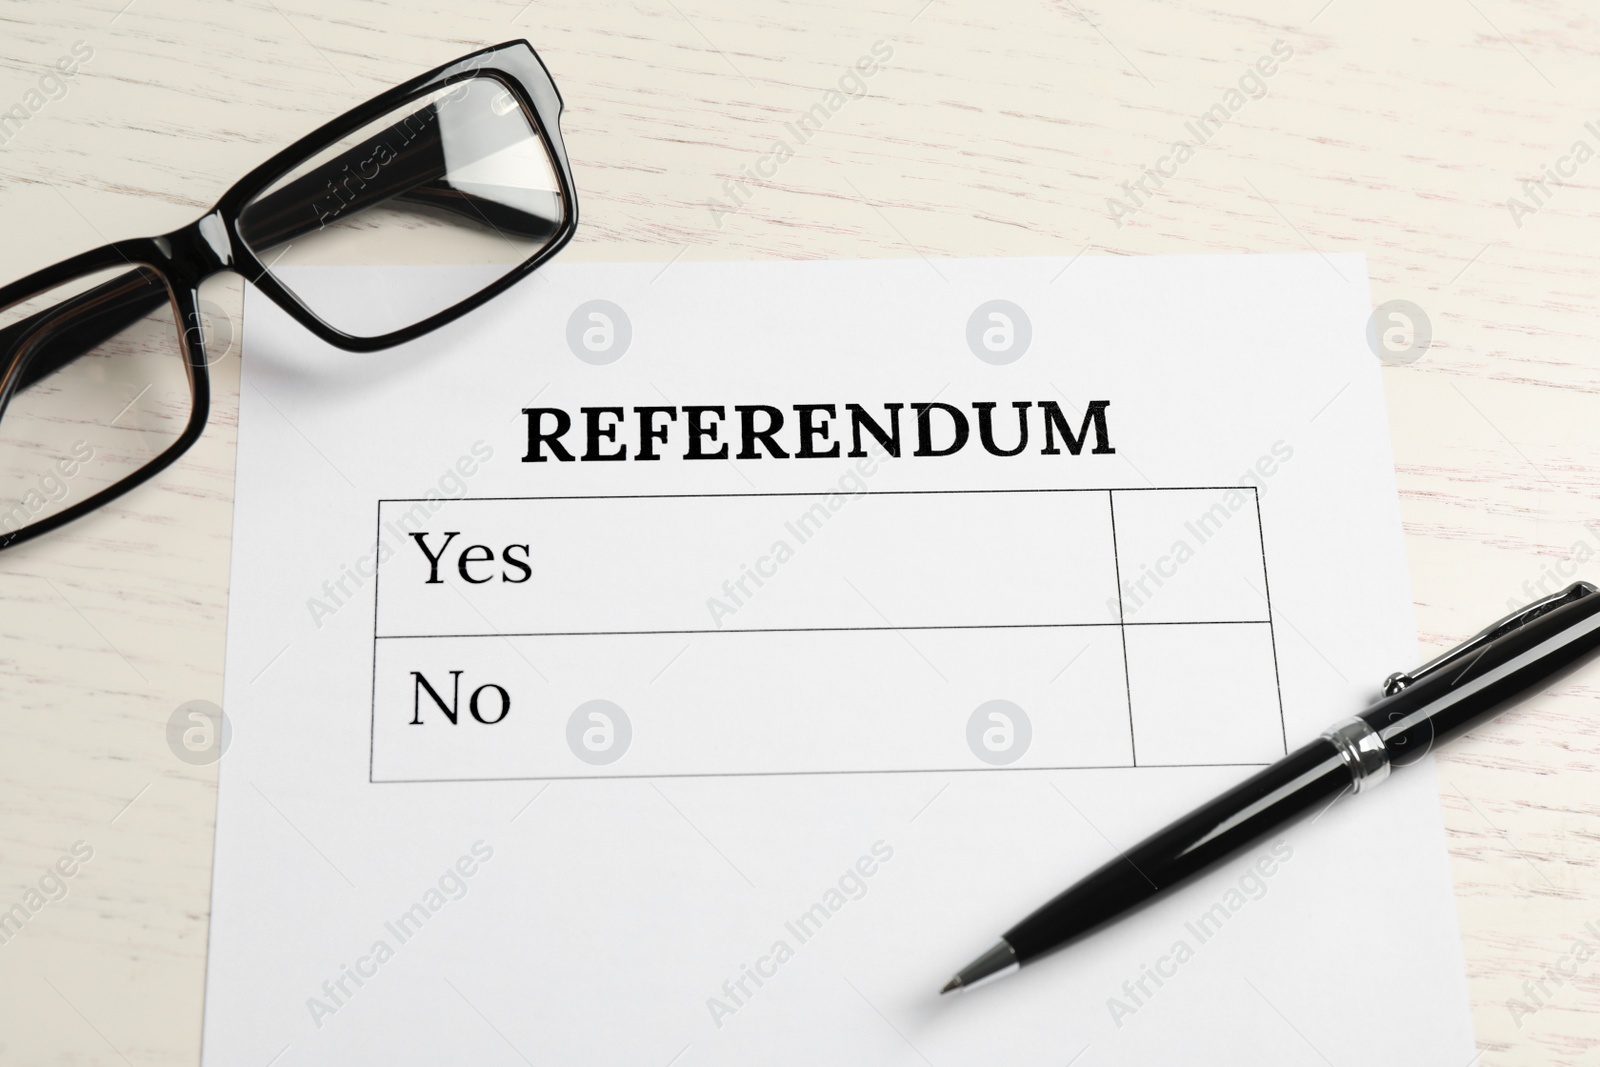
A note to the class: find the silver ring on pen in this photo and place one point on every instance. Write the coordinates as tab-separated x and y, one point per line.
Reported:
1363	751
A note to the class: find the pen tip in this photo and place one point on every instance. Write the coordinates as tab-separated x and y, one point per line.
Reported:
999	960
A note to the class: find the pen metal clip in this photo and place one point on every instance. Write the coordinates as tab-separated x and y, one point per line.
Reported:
1493	632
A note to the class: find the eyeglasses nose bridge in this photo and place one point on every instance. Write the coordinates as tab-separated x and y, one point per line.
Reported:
192	254
198	250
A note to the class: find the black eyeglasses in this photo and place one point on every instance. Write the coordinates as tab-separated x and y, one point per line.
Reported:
103	356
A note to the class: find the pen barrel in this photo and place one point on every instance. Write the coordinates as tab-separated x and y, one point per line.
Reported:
1308	779
1439	705
1454	699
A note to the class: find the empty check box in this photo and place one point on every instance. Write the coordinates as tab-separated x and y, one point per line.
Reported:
1204	693
1190	555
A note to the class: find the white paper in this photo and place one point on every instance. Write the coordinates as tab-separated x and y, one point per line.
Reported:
763	749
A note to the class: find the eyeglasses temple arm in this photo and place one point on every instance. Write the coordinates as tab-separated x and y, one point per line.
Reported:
416	172
86	321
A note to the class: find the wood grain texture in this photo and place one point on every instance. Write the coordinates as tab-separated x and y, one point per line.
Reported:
997	128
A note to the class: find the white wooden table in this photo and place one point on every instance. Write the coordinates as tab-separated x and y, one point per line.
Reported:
997	128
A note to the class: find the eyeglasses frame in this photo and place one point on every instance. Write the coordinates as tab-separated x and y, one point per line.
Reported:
214	244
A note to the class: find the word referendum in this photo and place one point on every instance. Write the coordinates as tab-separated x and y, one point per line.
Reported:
805	126
52	887
852	885
51	87
761	425
1566	167
1252	86
451	885
1252	886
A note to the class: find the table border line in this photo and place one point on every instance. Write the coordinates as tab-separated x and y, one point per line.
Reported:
1121	623
792	774
830	629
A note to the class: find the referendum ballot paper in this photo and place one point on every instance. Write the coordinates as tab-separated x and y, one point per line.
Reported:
697	665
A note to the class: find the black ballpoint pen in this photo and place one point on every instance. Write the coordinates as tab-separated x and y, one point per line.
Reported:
1438	701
